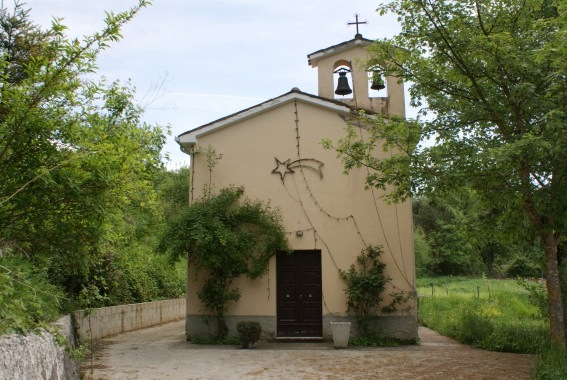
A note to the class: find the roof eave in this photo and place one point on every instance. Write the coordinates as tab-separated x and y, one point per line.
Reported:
335	49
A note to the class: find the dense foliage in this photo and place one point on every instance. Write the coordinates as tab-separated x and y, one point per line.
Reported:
26	295
489	79
83	192
226	237
457	234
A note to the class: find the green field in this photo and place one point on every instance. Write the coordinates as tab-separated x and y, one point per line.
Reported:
499	315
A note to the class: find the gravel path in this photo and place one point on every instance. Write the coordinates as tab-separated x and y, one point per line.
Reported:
162	353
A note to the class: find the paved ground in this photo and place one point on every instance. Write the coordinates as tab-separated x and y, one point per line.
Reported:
162	353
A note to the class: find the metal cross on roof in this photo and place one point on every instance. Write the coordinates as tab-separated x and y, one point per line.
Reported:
357	23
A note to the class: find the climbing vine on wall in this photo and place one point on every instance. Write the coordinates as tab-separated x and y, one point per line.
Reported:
366	282
225	237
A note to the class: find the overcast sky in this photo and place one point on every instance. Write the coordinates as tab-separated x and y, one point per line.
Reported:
218	56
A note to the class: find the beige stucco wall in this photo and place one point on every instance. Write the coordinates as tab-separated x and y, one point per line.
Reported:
249	147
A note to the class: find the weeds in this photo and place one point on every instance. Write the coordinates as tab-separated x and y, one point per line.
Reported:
376	341
210	340
551	364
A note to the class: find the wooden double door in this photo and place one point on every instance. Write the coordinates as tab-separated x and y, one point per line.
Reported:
299	294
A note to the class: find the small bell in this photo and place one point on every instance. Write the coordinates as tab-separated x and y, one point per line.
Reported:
377	82
342	87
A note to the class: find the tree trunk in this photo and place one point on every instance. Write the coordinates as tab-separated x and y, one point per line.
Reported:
554	297
562	260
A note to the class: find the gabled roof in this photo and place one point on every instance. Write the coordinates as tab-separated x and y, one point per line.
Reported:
358	40
189	138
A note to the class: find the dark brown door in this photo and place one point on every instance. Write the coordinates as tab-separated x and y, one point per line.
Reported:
299	310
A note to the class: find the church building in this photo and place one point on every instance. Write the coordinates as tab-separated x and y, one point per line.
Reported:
274	150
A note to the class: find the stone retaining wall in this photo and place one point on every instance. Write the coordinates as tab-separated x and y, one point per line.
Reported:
37	356
106	321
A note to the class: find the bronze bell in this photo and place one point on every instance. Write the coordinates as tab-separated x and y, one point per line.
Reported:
377	84
342	87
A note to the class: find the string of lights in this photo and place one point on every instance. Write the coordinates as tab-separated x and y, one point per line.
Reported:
316	235
310	192
312	196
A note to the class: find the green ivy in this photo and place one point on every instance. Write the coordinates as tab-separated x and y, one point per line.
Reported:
225	237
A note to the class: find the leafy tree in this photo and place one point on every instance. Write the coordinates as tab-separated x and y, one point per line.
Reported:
467	236
443	223
139	273
75	157
422	252
173	190
490	79
225	237
21	42
134	272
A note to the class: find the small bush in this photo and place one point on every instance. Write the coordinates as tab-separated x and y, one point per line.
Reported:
249	333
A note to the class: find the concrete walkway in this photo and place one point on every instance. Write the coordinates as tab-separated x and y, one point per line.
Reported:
162	353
